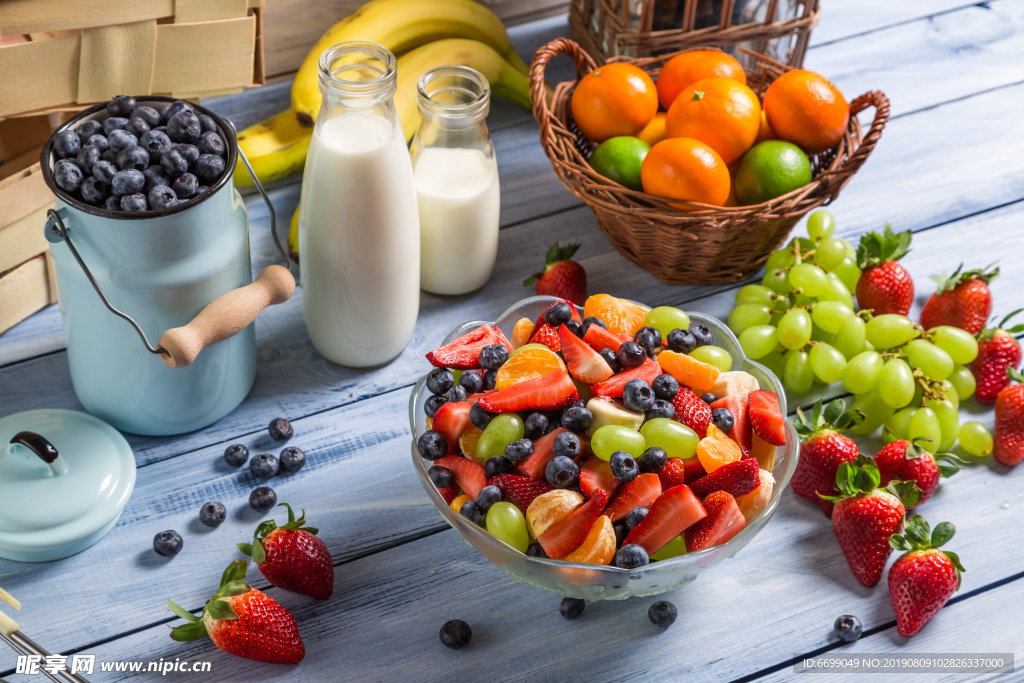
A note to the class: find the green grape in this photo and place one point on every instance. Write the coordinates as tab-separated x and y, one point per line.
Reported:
896	383
795	328
932	360
713	355
678	440
807	277
949	422
777	281
975	439
828	364
835	290
961	346
667	318
862	372
798	376
775	362
818	334
949	392
776	317
876	412
851	252
848	272
820	225
611	438
506	523
852	337
500	432
830	315
754	294
674	548
830	252
889	330
899	424
925	424
758	341
748	315
963	381
781	259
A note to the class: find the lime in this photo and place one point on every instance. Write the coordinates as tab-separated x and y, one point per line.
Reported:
620	159
769	170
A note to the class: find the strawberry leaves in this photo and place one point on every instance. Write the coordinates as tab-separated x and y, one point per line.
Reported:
834	416
256	549
555	254
917	535
861	477
875	249
232	583
947	283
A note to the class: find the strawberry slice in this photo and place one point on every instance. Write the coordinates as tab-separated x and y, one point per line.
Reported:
680	471
600	338
675	511
596	475
451	419
543	452
569	533
553	391
639	493
692	411
449	494
469	475
585	364
737	479
463	352
724	520
766	418
741	432
612	388
548	336
520	491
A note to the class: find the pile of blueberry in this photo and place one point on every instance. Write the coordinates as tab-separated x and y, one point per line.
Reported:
140	158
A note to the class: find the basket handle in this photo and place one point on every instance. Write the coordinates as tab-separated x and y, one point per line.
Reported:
878	100
538	89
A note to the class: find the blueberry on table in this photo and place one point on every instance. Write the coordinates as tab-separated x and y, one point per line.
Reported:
624	467
652	460
536	425
701	333
122	105
723	419
128	181
709	398
493	356
211	143
457	394
570	608
535	550
567	445
479	417
848	628
66	144
489	495
661	408
474	513
472	381
94	191
520	449
631	355
98	141
433	405
439	381
161	197
184	127
120	139
104	171
662	614
236	455
156	143
209	168
637	395
114	123
148	114
212	514
611	358
262	499
167	543
185	185
635	516
190	152
133	157
562	472
631	556
207	123
264	466
113	203
88	156
665	387
137	126
577	419
292	459
172	162
155	175
86	129
681	341
432	445
558	314
68	175
442	477
456	633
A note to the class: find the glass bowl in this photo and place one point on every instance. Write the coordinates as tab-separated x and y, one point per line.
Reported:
600	582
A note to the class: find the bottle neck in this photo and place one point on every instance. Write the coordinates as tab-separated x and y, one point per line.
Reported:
453	103
357	76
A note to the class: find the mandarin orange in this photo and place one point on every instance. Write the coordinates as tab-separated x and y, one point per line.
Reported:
804	108
687	68
720	113
687	169
612	100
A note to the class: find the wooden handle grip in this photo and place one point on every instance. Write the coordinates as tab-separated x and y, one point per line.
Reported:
226	316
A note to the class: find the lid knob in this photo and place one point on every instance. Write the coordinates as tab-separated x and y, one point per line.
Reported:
39	445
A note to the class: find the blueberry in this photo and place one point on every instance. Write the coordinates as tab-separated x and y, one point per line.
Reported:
122	105
156	143
86	129
624	467
652	460
562	472
292	459
190	152
498	464
490	379
489	495
236	455
201	189
701	333
68	175
209	168
631	355
128	181
665	387
94	191
479	417
133	157
137	126
113	203
520	449
611	358
570	608
638	395
662	614
439	381
680	341
441	476
493	356
173	108
114	123
167	543
577	419
280	429
567	445
649	338
155	175
661	408
184	127
262	499
848	628
432	445
99	142
66	144
211	143
635	516
109	155
433	405
457	394
120	139
88	156
536	425
207	123
264	466
591	320
456	633
535	550
148	114
185	185
471	381
172	162
631	556
723	419
212	514
709	398
575	328
474	513
558	314
620	532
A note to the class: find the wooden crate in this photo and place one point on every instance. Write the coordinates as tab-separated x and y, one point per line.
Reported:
25	289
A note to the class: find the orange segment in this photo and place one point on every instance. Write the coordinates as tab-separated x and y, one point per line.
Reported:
716	450
599	546
764	452
698	376
459	502
531	363
522	332
468	441
621	316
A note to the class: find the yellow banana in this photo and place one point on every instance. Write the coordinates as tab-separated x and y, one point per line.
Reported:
293	234
400	26
276	148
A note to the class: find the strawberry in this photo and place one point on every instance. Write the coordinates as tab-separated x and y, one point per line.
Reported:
737	479
520	491
596	475
601	338
543	452
1009	436
885	286
741	432
469	474
450	493
463	353
692	411
569	532
865	517
997	351
766	418
612	388
822	451
451	419
923	579
675	511
641	492
680	471
584	363
724	520
546	335
904	461
561	277
291	557
963	300
553	391
243	621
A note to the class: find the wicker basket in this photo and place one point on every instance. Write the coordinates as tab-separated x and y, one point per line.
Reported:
705	244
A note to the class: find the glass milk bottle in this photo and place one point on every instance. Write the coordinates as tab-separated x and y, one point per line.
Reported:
359	234
456	181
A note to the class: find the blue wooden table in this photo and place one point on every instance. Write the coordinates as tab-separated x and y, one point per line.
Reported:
950	167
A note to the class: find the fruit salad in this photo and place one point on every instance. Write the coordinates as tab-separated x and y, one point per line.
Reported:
618	436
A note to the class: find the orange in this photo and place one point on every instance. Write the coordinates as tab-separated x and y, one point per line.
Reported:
528	363
716	450
468	441
655	131
459	502
621	316
687	169
698	376
765	132
719	112
805	109
615	99
599	546
685	69
522	332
